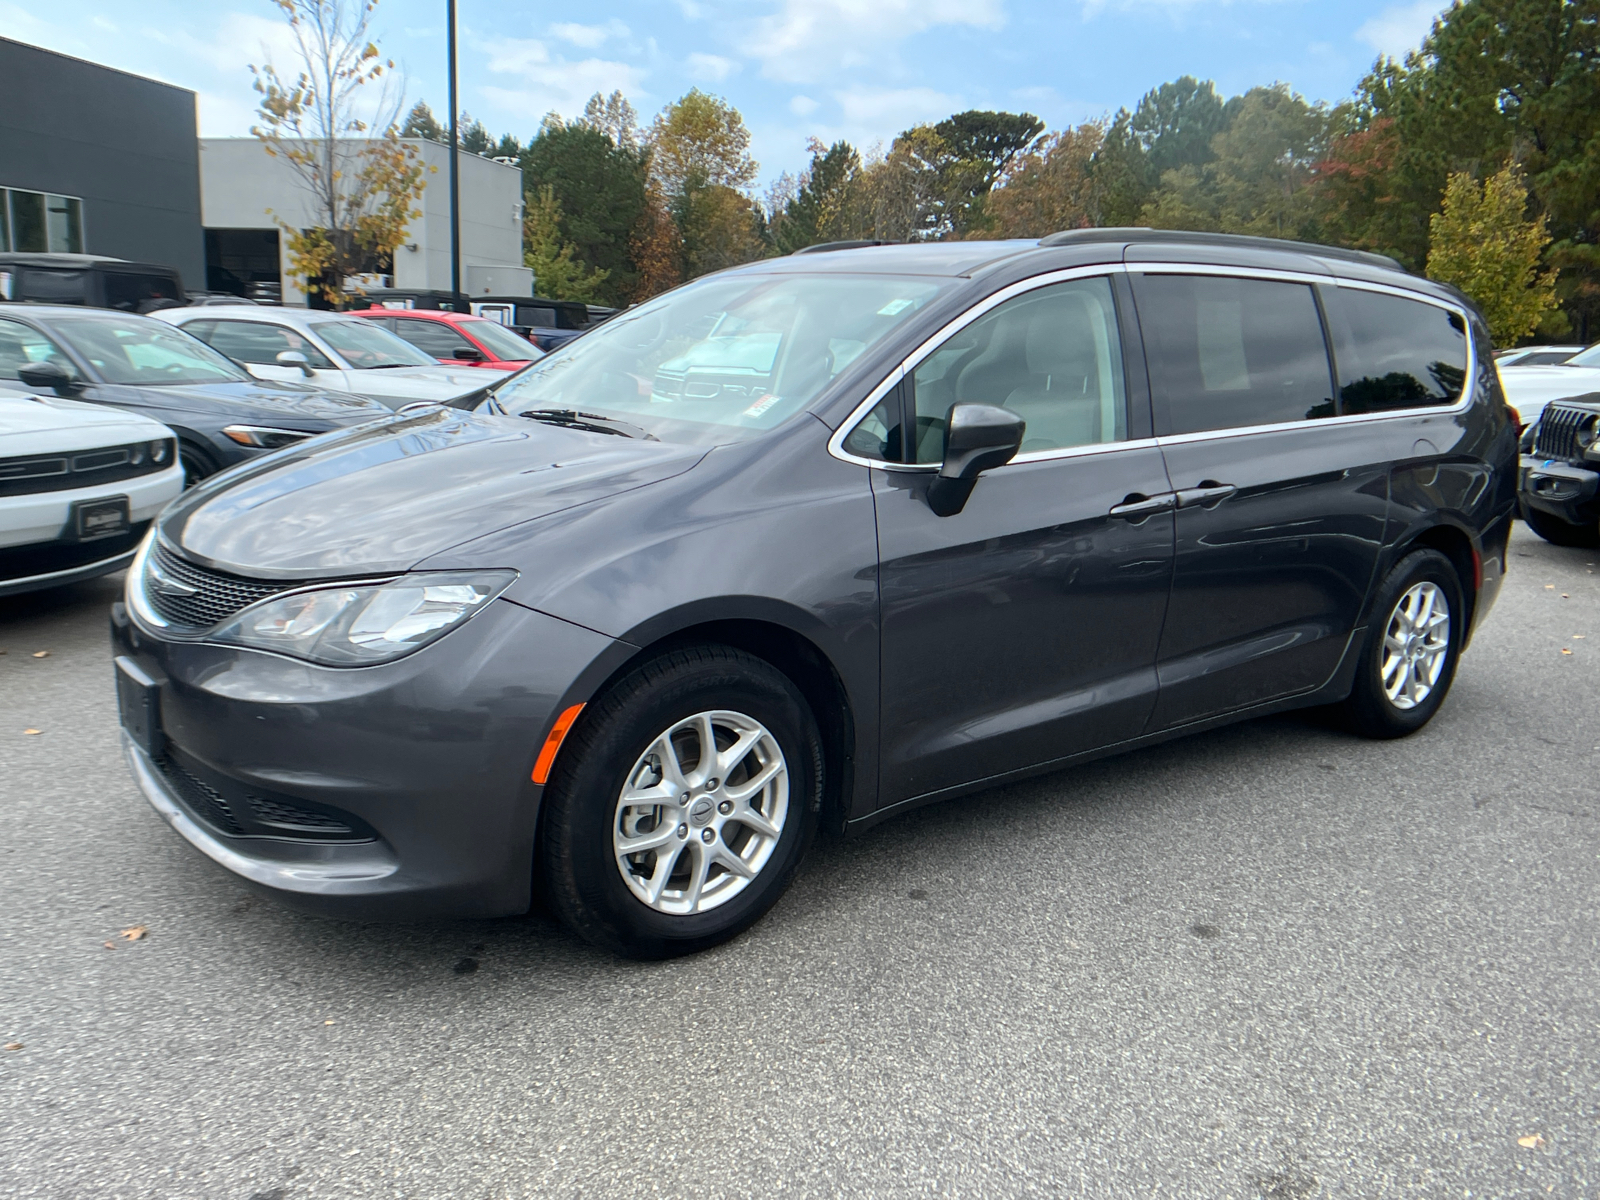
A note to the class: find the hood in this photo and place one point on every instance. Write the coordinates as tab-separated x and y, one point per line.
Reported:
416	383
386	496
1529	389
259	397
41	424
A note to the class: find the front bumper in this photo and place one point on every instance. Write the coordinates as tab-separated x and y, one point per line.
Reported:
1562	489
428	759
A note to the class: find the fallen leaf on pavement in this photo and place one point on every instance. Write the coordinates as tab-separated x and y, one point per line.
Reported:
1564	650
1577	637
135	932
1564	596
12	1045
327	1022
1532	1142
41	654
109	945
31	732
1549	587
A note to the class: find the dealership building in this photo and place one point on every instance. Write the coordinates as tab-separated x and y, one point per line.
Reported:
98	161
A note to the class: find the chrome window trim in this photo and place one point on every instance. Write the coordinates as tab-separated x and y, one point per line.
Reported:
955	325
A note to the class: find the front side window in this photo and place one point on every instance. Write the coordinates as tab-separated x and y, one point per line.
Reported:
365	347
139	292
40	222
143	352
22	345
257	342
723	357
1051	355
1228	353
1395	353
431	337
503	343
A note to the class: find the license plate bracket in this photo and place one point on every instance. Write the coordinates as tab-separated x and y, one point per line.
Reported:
91	520
139	706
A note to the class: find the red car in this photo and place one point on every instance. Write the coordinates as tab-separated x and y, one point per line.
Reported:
459	339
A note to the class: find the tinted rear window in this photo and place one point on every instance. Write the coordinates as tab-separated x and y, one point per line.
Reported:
1395	353
1227	353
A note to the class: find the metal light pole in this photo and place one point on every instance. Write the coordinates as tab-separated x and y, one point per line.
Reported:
455	167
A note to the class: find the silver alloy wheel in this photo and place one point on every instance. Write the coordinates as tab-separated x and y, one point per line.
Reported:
1415	643
701	812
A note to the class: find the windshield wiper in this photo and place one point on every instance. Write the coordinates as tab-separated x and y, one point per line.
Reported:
593	422
392	366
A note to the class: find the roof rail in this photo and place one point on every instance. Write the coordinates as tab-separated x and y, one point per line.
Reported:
1143	233
825	247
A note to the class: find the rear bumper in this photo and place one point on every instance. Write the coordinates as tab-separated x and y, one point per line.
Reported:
428	759
1564	490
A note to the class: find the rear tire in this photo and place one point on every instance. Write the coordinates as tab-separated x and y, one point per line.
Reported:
1561	533
1409	660
701	876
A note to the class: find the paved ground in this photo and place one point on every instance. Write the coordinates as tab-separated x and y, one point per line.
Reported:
1269	962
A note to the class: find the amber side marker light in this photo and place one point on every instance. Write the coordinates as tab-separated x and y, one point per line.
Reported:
558	734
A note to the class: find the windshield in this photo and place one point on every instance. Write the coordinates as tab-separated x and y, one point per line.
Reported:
1589	358
142	352
364	345
724	357
502	343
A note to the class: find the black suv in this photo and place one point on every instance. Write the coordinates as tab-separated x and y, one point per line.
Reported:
1559	485
814	541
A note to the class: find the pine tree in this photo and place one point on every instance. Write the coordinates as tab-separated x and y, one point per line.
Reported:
556	273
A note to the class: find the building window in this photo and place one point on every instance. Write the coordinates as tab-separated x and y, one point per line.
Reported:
40	222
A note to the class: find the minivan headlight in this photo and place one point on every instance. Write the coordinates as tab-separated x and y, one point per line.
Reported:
358	625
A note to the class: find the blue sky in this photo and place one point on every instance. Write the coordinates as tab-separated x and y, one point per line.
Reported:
860	69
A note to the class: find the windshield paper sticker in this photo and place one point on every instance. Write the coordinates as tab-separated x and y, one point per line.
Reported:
761	405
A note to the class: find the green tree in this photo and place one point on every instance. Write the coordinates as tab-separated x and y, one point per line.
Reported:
820	209
475	138
1485	245
557	271
699	155
979	146
1176	122
1121	174
1051	187
599	188
420	122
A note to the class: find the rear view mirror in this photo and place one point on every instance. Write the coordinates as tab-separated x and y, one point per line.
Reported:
293	358
47	375
977	438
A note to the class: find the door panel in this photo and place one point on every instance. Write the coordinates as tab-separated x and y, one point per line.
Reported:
1024	628
1269	583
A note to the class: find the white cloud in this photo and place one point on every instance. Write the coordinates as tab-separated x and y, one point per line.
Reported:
710	68
803	106
812	39
551	83
589	36
1396	30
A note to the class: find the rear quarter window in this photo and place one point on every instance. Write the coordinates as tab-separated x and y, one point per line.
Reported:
1395	353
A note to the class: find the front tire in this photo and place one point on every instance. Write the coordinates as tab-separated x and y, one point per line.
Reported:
1561	533
654	846
1409	660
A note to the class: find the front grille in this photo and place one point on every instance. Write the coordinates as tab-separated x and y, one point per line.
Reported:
89	468
49	558
199	797
217	595
228	807
290	817
1558	431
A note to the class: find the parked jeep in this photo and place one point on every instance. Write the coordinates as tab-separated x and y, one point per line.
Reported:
1559	480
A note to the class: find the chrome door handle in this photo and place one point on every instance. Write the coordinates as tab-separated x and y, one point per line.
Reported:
1139	507
1208	495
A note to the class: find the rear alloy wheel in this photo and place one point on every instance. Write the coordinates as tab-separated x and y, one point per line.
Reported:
1409	660
1561	533
681	803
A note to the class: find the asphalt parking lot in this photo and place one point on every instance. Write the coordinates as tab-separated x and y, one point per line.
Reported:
1271	961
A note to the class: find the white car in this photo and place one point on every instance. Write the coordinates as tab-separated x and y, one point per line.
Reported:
79	485
332	350
1535	356
1529	389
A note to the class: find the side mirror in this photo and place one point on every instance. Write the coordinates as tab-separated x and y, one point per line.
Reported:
467	354
977	438
51	375
293	358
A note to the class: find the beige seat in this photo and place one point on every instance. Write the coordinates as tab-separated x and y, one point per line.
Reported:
1061	399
